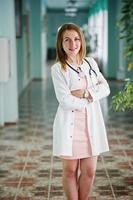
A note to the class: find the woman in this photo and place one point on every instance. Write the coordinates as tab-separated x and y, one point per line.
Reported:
79	134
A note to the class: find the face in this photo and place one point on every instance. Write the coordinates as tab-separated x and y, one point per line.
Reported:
71	43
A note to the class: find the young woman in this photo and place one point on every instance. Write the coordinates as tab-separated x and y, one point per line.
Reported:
79	134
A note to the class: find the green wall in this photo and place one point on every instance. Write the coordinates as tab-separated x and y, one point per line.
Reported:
116	65
98	6
113	42
112	33
35	29
20	63
8	90
98	33
29	44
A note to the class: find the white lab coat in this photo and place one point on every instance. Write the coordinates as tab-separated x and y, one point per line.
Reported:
64	82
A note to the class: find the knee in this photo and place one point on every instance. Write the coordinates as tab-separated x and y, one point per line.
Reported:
90	173
70	173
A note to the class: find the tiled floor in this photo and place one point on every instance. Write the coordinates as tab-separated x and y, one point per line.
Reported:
29	172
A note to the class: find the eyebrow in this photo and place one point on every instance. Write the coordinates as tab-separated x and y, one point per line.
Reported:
65	37
70	38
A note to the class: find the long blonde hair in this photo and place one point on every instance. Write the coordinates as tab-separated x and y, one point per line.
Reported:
60	53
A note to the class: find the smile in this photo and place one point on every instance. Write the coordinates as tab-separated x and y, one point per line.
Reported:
73	49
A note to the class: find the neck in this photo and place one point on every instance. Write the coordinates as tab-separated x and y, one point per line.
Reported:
74	60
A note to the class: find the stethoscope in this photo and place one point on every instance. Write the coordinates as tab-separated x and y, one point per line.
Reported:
91	73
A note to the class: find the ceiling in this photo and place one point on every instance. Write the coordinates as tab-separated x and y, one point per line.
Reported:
61	4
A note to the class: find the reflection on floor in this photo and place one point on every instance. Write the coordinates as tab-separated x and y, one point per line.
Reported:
29	172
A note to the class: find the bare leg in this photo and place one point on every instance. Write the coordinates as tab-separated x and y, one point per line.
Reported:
70	178
88	168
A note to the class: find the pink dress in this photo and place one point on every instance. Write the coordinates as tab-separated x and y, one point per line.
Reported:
81	145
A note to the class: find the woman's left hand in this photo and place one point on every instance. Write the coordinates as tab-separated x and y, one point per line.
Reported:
78	93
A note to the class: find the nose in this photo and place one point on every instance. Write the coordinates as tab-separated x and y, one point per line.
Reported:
72	43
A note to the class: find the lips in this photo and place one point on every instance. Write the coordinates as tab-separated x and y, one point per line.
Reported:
73	49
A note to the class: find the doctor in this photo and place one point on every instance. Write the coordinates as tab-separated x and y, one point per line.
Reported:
79	134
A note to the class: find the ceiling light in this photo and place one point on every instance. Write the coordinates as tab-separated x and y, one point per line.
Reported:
71	8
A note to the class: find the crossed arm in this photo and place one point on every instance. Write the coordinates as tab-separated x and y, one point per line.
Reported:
80	94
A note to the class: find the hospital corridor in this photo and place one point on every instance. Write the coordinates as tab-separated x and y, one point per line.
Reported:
28	169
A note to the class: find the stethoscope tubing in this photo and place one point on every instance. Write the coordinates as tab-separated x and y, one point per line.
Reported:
90	68
90	72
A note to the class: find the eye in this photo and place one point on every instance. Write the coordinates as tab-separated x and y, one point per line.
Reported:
77	39
66	39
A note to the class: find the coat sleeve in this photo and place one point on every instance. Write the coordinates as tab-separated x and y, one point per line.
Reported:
63	93
103	89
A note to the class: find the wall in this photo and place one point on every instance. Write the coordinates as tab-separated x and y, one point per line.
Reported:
102	21
20	63
122	71
98	33
113	42
8	90
23	48
117	65
43	39
35	37
31	47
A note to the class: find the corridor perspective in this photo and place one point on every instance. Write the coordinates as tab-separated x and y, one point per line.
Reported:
28	170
